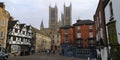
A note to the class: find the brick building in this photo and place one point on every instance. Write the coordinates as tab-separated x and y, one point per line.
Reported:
66	40
79	39
101	36
84	38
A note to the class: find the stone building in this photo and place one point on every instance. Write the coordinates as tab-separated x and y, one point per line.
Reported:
4	18
66	17
53	30
42	41
53	17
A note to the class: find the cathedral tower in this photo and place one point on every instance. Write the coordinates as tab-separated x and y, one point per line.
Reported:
67	16
53	17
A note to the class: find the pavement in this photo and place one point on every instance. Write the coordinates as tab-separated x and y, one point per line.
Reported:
44	57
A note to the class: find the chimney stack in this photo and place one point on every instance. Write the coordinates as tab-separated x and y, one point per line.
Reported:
78	20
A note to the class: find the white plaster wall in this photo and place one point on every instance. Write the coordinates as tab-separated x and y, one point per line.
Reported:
116	13
104	53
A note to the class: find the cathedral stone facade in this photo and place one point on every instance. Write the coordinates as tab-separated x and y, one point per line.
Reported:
52	30
67	15
54	24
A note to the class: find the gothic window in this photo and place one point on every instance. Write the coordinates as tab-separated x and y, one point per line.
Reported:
67	12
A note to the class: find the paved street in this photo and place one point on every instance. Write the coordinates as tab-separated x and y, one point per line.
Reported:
42	57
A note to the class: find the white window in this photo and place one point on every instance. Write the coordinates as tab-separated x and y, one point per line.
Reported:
78	35
1	34
66	31
90	34
3	22
91	41
78	27
90	27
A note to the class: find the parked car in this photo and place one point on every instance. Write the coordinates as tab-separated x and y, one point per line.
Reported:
3	53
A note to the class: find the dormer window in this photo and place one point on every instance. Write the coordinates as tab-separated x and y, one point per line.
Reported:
23	32
16	30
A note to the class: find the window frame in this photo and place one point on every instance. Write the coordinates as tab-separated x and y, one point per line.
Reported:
78	35
90	34
111	9
78	27
3	23
1	35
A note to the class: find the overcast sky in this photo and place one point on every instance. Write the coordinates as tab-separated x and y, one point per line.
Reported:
34	11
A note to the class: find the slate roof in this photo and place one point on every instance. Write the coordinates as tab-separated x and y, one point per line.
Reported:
35	30
12	23
22	25
28	27
82	22
66	27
